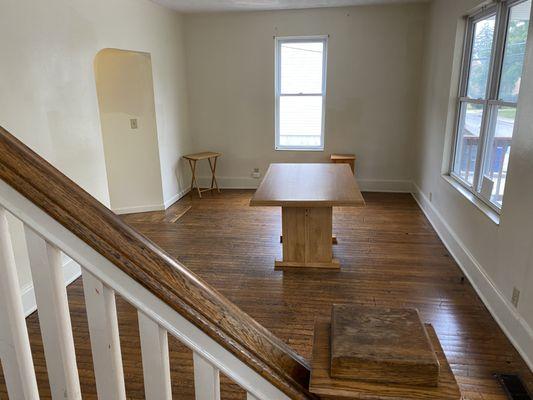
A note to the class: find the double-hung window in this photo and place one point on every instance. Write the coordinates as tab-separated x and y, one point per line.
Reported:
492	69
300	88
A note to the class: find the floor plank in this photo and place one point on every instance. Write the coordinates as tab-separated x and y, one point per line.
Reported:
390	256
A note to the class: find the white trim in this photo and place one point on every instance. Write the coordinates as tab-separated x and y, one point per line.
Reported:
101	310
472	198
15	350
490	102
71	272
155	359
29	304
206	379
46	264
302	37
156	207
278	40
138	209
138	296
366	185
510	321
171	200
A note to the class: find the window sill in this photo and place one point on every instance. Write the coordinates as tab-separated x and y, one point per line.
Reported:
480	205
295	149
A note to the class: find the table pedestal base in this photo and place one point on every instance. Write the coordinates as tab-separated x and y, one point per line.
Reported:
307	238
334	264
333	239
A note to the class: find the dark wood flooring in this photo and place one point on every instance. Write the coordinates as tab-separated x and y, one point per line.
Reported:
390	256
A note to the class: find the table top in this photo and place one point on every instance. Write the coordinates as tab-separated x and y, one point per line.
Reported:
342	157
202	156
308	185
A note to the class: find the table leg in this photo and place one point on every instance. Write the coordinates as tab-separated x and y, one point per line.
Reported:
307	239
192	163
213	168
192	178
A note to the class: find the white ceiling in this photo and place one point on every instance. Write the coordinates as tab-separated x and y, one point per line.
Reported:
196	6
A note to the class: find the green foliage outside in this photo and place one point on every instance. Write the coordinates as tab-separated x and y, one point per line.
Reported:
513	61
515	47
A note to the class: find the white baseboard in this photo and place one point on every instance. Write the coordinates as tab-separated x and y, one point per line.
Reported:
392	186
176	197
156	207
138	209
510	321
71	272
366	185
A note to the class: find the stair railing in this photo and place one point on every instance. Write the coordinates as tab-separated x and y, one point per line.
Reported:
59	217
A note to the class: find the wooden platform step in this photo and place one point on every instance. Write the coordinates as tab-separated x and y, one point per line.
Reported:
377	344
380	354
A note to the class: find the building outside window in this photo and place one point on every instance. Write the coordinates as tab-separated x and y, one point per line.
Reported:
491	75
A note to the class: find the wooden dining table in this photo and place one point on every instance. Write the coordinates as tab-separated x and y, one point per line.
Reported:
307	194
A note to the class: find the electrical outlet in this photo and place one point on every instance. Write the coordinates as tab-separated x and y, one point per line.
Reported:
256	174
516	297
430	196
133	123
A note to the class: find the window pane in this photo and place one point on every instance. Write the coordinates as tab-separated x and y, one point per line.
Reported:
497	154
481	57
515	48
301	67
300	121
467	141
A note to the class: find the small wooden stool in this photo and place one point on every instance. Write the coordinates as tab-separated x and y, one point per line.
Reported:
192	158
344	159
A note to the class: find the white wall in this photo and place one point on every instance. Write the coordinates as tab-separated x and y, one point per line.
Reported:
47	86
125	91
48	99
374	64
495	257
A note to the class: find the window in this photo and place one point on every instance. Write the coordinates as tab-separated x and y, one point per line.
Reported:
300	85
492	70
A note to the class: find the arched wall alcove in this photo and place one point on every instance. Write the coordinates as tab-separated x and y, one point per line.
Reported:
124	85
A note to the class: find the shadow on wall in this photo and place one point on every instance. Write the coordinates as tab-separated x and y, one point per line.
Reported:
125	91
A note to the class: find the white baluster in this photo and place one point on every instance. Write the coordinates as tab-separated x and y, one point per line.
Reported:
250	396
206	379
54	318
15	351
105	342
156	364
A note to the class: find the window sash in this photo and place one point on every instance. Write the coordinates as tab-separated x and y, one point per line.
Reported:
278	93
491	103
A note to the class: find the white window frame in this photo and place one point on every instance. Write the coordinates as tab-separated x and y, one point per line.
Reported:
502	11
277	87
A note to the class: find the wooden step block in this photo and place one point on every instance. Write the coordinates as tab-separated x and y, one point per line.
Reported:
328	388
387	345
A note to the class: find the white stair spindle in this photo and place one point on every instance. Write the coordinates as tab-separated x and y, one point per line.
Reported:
54	318
155	359
105	342
206	379
15	351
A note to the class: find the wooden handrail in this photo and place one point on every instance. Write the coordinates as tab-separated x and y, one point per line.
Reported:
150	266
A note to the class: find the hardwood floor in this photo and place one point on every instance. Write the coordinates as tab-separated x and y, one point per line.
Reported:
389	255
